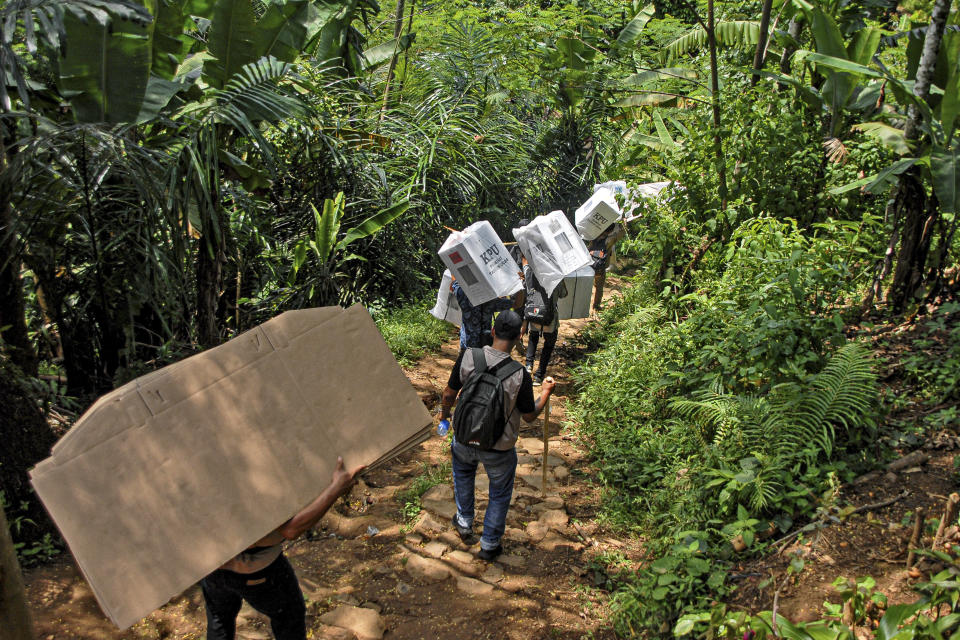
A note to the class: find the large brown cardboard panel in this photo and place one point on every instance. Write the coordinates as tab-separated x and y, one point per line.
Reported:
367	360
170	476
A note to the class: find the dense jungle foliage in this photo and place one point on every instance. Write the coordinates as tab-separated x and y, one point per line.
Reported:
173	172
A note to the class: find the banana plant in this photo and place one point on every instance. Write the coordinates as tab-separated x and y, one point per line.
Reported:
327	247
739	34
939	156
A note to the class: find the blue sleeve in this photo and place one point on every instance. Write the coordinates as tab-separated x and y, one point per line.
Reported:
462	298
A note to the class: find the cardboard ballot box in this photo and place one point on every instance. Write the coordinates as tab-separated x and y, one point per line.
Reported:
553	248
596	214
576	304
166	478
447	307
480	263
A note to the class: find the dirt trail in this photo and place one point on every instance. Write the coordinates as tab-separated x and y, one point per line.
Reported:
412	579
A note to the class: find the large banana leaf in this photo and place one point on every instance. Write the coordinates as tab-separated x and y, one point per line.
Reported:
864	45
374	223
736	33
331	43
286	27
671	73
890	136
376	56
950	105
647	98
631	33
158	94
662	132
945	169
231	41
839	86
105	66
170	41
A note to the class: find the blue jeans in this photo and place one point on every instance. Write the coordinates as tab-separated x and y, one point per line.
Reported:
501	468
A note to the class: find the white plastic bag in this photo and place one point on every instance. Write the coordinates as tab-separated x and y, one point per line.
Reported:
596	214
576	304
552	248
481	264
447	307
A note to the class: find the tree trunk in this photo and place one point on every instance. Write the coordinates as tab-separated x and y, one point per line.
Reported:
935	275
14	615
928	63
919	214
210	261
917	222
760	53
13	324
397	30
793	29
715	100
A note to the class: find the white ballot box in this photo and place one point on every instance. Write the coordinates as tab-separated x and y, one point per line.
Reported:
596	214
447	308
553	248
168	477
650	189
481	263
617	186
576	304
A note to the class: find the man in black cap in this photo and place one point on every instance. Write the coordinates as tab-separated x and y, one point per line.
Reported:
500	460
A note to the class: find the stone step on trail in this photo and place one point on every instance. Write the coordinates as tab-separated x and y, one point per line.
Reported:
426	569
435	549
474	587
365	623
442	508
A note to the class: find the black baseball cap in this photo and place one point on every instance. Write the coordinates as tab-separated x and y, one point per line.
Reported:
507	325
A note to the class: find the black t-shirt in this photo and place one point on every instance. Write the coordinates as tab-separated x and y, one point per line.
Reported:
525	401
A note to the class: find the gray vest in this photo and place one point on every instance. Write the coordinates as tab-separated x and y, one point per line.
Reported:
511	389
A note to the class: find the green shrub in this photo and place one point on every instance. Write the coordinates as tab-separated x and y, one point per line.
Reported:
411	332
681	580
728	409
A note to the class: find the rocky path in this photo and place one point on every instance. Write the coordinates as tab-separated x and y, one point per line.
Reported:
369	571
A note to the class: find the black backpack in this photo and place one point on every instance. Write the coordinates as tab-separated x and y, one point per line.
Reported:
479	419
539	308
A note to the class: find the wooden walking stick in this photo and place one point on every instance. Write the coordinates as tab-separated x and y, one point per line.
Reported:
948	519
916	537
546	439
14	616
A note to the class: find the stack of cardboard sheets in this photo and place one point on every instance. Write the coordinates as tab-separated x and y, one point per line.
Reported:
168	477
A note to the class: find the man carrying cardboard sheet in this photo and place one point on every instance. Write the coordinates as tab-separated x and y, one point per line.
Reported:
500	459
262	575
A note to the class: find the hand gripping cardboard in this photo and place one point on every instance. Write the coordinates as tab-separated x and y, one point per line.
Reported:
553	248
447	307
481	263
166	478
596	214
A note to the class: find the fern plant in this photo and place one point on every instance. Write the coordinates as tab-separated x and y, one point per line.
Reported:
776	435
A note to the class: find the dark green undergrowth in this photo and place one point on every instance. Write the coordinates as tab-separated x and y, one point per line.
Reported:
723	412
411	332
